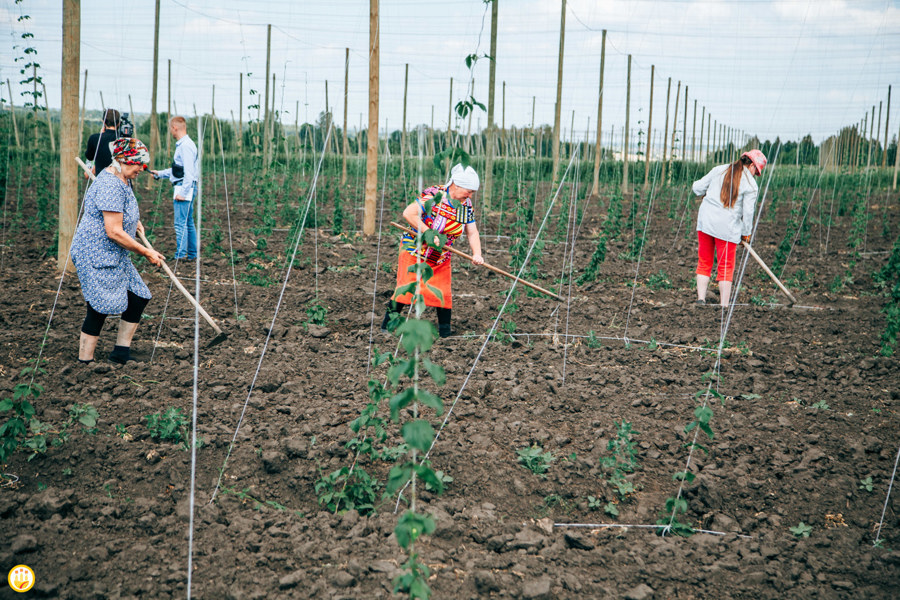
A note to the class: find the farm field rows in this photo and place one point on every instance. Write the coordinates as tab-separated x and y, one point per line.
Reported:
805	428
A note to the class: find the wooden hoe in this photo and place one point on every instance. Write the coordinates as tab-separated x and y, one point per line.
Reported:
769	272
486	265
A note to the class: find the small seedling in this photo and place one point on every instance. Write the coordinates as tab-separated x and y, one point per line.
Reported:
171	425
801	530
821	404
535	459
866	484
611	509
67	471
592	341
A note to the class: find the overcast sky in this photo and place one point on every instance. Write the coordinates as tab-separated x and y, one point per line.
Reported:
775	68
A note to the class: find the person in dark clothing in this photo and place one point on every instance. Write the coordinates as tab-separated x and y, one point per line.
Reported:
98	144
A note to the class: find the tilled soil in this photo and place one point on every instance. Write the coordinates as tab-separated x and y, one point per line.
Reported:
105	515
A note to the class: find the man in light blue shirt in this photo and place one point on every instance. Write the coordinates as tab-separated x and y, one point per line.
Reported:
183	175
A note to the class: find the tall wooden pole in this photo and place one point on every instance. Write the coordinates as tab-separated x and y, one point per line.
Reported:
81	116
450	116
154	125
684	127
896	163
702	123
266	99
49	121
372	142
169	106
68	130
674	125
877	134
403	129
626	189
345	146
887	117
492	80
503	124
598	149
12	112
240	127
665	146
871	134
559	81
649	145
694	132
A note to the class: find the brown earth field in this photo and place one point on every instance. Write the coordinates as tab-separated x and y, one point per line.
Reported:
808	415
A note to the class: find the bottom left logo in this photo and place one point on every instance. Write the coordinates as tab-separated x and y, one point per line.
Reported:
21	578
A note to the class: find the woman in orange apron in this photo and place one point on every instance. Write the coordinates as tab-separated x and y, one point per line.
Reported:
451	215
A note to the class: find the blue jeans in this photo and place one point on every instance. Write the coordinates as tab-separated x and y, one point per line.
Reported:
185	233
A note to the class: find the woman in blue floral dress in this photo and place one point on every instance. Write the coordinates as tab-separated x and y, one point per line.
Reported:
100	250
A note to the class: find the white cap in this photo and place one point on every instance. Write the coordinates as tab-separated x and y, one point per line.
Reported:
464	177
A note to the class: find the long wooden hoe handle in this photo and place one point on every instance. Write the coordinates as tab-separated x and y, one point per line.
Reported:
166	268
768	271
485	265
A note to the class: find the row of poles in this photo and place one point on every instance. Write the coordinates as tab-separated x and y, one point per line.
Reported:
718	139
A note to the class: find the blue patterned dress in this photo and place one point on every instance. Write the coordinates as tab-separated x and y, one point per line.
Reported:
104	268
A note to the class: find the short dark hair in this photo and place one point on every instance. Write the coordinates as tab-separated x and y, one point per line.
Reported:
111	117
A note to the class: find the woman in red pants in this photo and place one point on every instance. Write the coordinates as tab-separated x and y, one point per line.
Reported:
725	218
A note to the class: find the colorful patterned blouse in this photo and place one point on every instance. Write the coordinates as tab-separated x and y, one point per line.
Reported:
448	217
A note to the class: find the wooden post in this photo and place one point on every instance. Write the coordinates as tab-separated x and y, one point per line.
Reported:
559	80
372	143
877	133
345	146
81	116
625	186
240	127
12	112
649	140
887	117
665	146
896	163
403	128
505	151
450	115
154	125
871	133
487	195
49	122
598	149
684	127
266	99
169	108
68	131
702	123
674	124
694	131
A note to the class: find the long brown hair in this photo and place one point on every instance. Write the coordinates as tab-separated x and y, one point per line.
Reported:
732	181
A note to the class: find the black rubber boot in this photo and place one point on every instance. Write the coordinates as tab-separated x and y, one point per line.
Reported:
393	307
120	354
444	315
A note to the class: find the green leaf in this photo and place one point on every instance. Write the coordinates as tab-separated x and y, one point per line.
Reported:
436	371
409	288
684	476
703	414
418	434
398	476
431	401
400	401
417	333
402	367
436	292
430	477
411	526
6	404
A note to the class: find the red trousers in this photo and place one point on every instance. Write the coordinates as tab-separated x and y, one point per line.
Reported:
724	251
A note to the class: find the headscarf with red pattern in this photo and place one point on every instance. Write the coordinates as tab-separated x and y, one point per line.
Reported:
129	151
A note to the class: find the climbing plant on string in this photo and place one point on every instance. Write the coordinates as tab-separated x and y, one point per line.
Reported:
417	335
